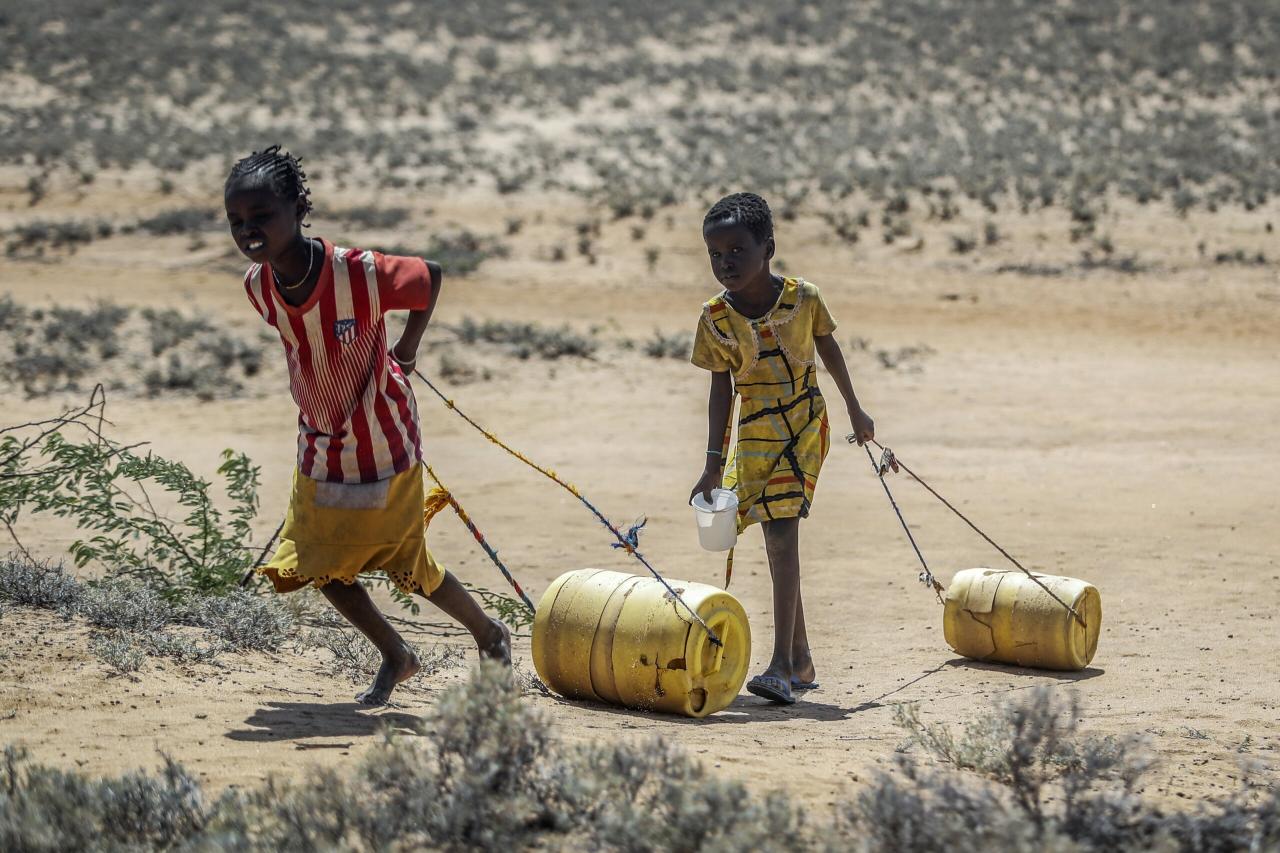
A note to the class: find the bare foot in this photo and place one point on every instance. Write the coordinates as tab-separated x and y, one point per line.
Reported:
393	671
497	646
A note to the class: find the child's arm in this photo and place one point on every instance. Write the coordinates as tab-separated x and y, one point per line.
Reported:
864	428
718	404
416	324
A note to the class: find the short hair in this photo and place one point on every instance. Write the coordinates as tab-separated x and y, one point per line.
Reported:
279	170
746	209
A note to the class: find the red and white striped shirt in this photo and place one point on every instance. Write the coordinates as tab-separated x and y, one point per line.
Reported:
357	418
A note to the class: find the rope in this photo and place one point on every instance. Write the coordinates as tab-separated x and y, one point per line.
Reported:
926	576
262	556
441	493
623	542
888	458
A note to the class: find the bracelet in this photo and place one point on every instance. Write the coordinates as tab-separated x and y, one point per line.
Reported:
716	452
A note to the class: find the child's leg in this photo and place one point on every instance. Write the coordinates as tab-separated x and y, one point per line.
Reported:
399	663
782	544
493	637
801	661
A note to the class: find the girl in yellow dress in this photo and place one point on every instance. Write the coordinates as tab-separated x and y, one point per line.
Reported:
758	339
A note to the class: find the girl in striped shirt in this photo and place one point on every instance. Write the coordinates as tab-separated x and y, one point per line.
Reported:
357	498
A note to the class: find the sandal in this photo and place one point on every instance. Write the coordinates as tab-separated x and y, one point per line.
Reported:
772	688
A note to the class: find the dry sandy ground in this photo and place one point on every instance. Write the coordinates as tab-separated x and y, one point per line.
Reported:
1115	428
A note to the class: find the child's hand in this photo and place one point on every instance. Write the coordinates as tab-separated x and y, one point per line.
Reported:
709	480
864	428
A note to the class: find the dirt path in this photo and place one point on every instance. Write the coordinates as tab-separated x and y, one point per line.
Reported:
1115	428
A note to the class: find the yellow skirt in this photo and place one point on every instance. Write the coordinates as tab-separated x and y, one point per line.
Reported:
781	446
337	531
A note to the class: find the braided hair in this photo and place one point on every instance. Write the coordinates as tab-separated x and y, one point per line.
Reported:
746	209
278	171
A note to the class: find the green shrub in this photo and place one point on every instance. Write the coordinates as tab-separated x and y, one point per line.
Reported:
67	468
102	488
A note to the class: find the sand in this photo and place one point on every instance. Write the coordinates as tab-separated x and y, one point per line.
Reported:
1117	428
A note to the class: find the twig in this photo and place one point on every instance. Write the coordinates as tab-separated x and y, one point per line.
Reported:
262	555
18	542
294	692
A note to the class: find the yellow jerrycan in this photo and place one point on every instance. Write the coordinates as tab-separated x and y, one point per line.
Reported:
625	640
1006	616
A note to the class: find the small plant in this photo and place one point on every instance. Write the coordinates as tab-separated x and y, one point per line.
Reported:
32	239
168	328
50	809
122	654
908	359
133	619
678	345
510	609
104	488
52	350
1241	257
354	657
374	217
459	252
651	256
458	370
524	340
186	220
239	619
124	606
47	350
181	648
38	584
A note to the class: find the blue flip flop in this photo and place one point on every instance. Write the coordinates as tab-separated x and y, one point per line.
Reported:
804	685
772	688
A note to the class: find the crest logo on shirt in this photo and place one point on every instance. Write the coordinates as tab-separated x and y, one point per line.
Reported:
345	331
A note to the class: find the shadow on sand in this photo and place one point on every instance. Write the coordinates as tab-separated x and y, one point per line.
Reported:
750	709
281	721
745	709
1009	669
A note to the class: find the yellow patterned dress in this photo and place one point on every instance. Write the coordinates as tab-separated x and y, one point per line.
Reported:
783	435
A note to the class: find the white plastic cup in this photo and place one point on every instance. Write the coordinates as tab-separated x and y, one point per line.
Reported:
717	520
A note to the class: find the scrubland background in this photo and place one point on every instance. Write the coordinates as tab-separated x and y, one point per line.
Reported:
1046	231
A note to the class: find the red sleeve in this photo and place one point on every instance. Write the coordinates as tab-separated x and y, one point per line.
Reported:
404	284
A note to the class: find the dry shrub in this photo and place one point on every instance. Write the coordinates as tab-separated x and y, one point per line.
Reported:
45	585
241	620
487	773
42	808
134	621
1023	778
